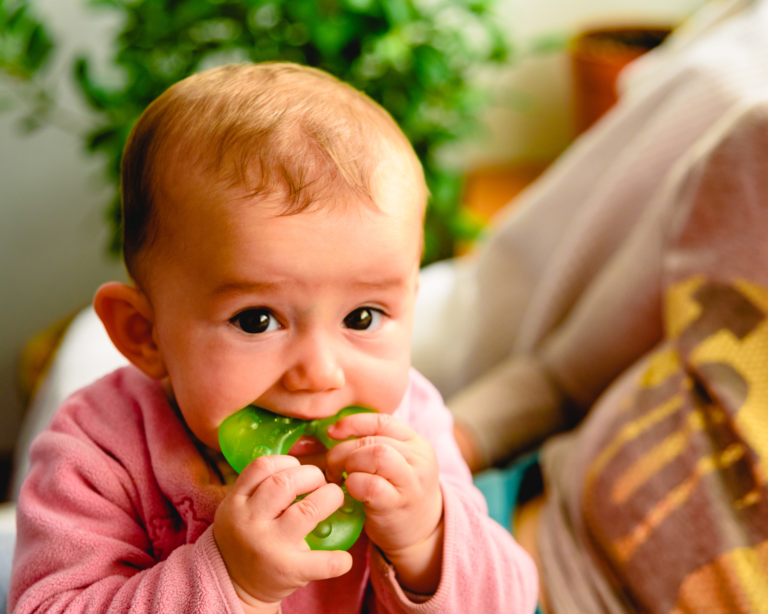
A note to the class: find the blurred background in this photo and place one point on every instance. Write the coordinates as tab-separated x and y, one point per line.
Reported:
55	195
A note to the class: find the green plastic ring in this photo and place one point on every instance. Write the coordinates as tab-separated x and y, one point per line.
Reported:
254	431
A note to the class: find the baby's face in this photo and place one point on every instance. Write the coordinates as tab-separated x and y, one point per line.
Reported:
301	314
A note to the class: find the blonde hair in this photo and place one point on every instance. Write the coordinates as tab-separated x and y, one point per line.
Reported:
273	128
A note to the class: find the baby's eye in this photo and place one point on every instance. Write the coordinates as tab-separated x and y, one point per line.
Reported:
255	321
363	318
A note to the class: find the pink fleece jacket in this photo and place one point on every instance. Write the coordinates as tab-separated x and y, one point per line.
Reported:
116	514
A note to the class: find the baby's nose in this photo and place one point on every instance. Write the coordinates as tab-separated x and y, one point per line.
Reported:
316	367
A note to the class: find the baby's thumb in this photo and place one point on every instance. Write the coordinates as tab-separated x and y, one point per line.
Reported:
324	564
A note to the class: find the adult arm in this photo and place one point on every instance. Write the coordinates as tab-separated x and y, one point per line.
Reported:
526	398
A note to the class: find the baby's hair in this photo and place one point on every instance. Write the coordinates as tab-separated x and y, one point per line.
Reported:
276	129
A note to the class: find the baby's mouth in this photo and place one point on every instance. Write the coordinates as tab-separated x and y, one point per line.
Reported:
307	445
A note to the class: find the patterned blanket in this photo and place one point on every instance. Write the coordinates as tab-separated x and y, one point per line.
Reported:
659	501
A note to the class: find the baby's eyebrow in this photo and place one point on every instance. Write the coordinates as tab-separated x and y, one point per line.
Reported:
244	287
380	284
235	287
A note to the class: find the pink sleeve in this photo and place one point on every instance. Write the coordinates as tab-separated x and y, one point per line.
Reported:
82	545
192	579
484	569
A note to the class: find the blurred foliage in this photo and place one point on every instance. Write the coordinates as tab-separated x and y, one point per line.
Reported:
415	57
25	47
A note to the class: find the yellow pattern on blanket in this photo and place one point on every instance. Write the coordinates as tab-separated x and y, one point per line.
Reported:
685	462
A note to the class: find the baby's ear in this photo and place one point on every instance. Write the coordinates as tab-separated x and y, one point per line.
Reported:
127	315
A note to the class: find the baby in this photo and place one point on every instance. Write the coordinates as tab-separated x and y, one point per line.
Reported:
272	227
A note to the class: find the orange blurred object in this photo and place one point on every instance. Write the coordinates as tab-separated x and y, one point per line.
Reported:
597	57
487	190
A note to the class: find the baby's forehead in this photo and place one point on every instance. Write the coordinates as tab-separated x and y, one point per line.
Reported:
394	184
199	212
203	223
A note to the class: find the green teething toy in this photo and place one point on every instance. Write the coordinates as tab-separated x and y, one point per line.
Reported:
253	432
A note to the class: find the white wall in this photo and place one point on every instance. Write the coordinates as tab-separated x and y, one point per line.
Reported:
52	195
52	233
531	115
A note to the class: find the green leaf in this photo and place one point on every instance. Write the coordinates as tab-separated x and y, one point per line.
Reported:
38	48
95	96
16	16
102	136
108	3
265	16
430	66
296	34
24	42
365	7
333	35
215	30
392	49
396	11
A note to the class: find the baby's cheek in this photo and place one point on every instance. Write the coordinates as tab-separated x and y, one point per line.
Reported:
203	404
391	386
221	383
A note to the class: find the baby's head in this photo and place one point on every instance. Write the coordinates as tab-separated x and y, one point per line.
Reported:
272	224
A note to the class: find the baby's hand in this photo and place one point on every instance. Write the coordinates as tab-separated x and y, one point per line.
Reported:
261	535
394	472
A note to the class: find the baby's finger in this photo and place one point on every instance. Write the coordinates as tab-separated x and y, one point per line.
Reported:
359	425
302	517
259	470
384	461
373	490
338	458
279	490
323	564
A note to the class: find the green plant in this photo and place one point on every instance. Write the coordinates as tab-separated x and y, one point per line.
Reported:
25	46
412	56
